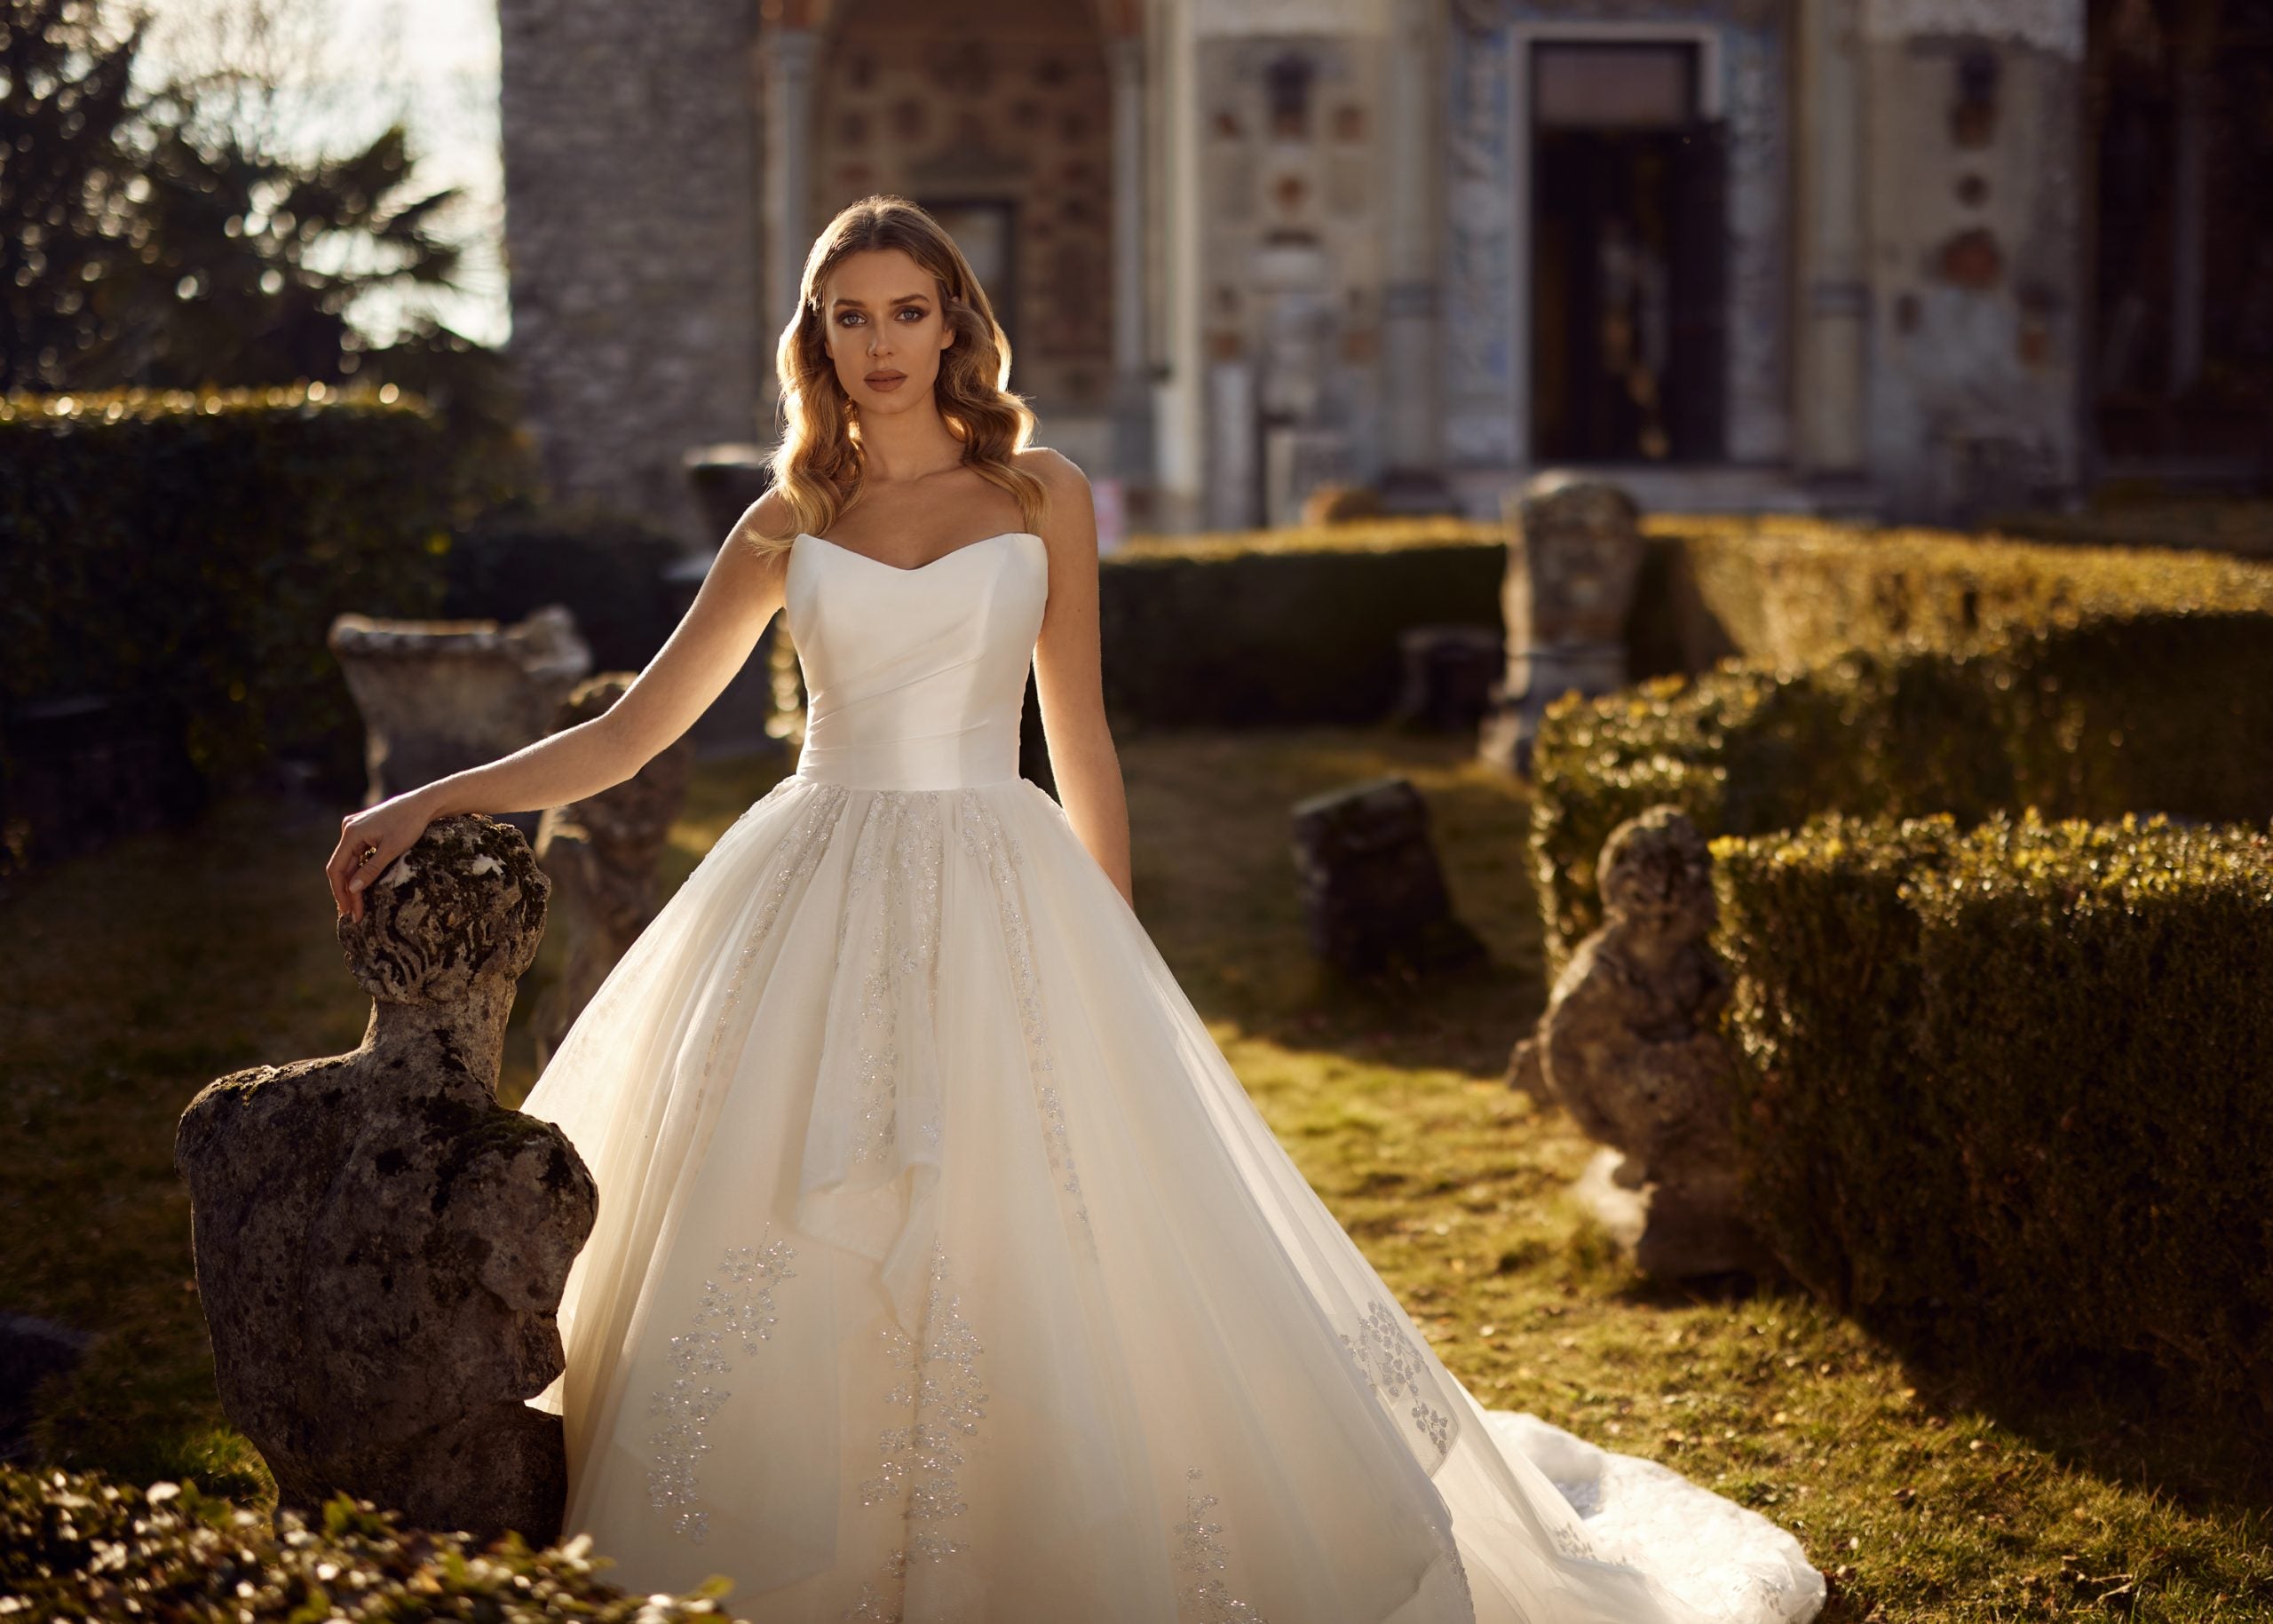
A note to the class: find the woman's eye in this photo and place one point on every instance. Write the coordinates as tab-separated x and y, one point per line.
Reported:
912	310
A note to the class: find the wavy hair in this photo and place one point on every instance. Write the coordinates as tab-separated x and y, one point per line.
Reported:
816	467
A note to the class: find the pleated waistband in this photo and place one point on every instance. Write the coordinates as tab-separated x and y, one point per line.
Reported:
968	759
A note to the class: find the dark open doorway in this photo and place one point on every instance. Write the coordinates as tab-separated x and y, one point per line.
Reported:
2181	356
1630	230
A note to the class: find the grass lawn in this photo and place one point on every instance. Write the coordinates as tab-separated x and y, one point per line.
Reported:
135	977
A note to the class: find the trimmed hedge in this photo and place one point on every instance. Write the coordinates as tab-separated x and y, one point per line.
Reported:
2163	711
1285	627
1786	592
2206	523
190	550
2009	1092
74	1546
607	567
1299	626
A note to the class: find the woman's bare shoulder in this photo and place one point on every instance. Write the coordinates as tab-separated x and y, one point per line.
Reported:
769	518
1055	470
1062	481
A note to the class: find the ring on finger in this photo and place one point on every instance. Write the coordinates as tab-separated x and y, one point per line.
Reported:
369	853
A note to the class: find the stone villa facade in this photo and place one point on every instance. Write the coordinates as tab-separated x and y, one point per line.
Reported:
1924	257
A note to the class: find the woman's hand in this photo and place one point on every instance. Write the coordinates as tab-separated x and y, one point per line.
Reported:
371	839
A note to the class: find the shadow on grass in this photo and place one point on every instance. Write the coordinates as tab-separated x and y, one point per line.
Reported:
2120	1419
2123	1421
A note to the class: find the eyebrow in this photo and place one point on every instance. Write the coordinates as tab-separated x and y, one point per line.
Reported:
904	298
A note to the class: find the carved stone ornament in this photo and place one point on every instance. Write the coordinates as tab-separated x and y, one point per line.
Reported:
2056	26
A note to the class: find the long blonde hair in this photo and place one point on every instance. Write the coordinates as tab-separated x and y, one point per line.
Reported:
817	468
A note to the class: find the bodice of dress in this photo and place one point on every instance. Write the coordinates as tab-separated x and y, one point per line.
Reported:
916	679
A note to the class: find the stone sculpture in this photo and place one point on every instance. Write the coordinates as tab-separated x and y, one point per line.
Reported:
380	1245
1372	891
1575	550
601	854
1630	1045
438	696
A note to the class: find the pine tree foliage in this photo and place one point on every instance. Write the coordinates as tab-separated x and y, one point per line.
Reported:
67	180
171	240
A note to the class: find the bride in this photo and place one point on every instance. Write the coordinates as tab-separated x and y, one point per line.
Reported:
943	1269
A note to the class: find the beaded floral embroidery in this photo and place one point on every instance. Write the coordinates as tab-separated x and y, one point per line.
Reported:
984	837
880	1606
1200	1557
946	1399
800	854
1384	1351
901	837
736	1308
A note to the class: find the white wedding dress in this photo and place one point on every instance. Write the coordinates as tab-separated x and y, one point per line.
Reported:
944	1270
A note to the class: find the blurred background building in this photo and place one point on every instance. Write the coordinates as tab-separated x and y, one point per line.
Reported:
1927	258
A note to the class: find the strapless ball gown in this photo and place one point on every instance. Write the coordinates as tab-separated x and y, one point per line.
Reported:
944	1270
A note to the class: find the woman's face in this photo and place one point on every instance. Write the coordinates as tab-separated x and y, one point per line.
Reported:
880	311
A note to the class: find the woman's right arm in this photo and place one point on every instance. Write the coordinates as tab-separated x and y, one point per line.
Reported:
739	596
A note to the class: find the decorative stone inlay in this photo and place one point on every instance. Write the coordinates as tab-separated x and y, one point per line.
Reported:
2056	25
1480	228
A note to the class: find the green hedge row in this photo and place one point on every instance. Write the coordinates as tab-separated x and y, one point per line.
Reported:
1286	628
1784	591
188	552
2008	1092
74	1546
607	567
1300	626
2162	711
2141	518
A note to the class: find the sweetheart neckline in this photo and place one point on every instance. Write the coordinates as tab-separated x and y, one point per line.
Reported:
915	569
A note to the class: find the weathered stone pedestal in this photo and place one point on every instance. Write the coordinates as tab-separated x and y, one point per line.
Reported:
1374	893
381	1245
1574	550
1630	1045
439	696
602	855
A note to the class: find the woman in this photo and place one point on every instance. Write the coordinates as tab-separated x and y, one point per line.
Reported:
943	1269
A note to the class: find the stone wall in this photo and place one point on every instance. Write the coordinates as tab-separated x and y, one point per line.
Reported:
1972	134
631	238
1291	263
1000	121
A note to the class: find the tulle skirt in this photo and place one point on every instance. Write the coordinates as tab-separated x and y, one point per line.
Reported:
944	1270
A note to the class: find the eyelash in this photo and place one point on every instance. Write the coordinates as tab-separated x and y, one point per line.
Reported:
849	317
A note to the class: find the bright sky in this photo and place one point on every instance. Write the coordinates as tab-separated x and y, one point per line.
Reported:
353	65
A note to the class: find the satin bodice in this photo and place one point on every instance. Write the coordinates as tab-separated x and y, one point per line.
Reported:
916	679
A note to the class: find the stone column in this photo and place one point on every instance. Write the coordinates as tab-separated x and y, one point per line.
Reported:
788	61
1411	405
1834	303
1132	385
